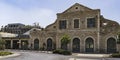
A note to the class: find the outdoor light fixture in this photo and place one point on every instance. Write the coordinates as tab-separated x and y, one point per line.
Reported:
104	24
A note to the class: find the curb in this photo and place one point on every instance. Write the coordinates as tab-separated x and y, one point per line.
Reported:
8	56
92	55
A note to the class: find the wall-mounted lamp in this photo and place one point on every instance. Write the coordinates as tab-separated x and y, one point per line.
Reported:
104	24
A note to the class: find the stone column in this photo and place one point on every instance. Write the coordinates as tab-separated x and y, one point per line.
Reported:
118	48
20	44
82	45
29	43
70	45
11	44
57	42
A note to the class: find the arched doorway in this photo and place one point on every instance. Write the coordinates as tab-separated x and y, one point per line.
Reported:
89	44
111	45
76	45
36	44
49	44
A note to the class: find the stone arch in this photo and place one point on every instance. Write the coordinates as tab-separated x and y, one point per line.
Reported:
49	44
111	45
76	45
89	45
36	44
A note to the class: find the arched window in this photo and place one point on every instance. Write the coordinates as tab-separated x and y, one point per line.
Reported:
49	44
76	45
36	44
89	45
111	45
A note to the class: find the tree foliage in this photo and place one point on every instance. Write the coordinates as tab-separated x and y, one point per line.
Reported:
65	39
118	39
2	44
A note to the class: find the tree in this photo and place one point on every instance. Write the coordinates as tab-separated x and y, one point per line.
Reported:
2	44
118	39
65	41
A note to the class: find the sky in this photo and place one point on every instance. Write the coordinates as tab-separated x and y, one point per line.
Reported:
44	11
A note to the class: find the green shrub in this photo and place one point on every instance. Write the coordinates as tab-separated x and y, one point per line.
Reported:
2	44
63	52
3	53
58	51
115	55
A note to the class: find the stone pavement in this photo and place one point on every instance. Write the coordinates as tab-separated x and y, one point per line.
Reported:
49	52
47	55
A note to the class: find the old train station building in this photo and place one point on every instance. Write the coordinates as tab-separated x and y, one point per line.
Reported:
89	32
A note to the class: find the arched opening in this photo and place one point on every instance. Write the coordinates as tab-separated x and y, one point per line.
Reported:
49	44
63	46
111	45
76	45
36	44
89	45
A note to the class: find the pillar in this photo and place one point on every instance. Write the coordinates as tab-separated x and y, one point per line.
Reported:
20	44
11	44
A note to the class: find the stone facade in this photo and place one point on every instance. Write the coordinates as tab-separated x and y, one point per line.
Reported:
93	33
101	34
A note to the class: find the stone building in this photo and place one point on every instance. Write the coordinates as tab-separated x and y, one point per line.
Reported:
16	35
89	32
17	42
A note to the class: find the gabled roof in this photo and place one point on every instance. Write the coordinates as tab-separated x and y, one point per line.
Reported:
77	7
28	32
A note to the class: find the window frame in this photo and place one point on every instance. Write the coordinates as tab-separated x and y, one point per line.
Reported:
78	23
60	24
87	22
73	23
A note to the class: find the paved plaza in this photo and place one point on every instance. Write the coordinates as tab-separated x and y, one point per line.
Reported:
38	55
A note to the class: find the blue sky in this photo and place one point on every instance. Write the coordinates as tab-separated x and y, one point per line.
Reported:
44	11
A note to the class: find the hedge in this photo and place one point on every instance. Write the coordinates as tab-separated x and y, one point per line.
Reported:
117	55
61	51
3	53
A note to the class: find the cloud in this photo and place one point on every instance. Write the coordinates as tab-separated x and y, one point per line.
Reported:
13	14
30	11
